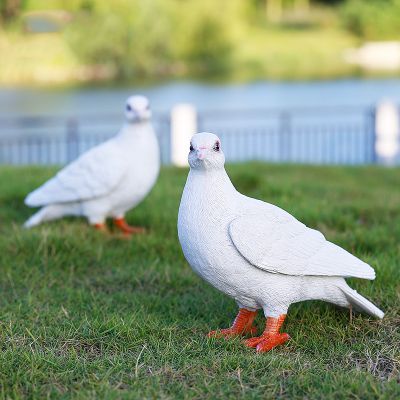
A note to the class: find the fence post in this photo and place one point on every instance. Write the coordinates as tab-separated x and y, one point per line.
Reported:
183	127
370	122
72	143
387	133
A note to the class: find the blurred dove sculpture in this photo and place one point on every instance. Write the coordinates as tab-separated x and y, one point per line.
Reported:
256	252
107	180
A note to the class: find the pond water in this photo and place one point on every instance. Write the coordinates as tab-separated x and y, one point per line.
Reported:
262	94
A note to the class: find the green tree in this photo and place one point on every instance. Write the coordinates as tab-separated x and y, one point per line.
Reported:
205	35
373	19
155	37
10	9
132	37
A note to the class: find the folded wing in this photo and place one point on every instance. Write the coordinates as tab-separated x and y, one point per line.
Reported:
281	244
96	173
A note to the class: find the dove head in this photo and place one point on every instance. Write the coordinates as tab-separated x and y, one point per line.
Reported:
205	152
137	109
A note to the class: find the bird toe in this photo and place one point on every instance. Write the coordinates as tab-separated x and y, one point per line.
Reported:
230	332
253	342
271	342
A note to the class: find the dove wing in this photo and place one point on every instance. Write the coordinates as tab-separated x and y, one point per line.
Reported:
94	174
276	242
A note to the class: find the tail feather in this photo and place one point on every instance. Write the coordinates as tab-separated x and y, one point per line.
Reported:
360	303
35	199
52	212
35	219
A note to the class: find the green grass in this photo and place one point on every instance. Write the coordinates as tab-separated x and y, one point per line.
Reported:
296	54
36	59
84	315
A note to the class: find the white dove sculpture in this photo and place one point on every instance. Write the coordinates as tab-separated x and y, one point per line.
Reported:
258	253
106	181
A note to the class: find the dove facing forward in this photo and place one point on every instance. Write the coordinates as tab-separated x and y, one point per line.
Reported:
107	180
258	253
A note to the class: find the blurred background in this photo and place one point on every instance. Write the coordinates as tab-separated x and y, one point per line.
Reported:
279	80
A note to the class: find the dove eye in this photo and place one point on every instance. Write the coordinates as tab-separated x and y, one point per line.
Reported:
191	147
216	146
128	107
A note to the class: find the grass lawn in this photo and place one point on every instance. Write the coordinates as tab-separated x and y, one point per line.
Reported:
84	315
295	54
36	59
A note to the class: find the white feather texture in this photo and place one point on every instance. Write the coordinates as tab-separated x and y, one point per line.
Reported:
107	180
256	252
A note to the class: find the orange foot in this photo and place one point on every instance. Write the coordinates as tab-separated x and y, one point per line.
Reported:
242	325
271	337
266	343
100	227
123	226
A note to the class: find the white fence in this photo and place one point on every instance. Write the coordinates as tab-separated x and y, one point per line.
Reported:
339	135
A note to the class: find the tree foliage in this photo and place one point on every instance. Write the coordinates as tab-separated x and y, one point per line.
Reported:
153	37
157	38
10	9
373	19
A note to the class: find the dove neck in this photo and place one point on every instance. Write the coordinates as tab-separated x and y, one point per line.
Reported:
133	130
216	180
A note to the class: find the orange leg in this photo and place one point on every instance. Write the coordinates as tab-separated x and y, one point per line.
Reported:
122	225
243	324
270	337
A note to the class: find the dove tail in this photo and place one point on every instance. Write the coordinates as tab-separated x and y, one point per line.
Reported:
51	212
35	219
360	303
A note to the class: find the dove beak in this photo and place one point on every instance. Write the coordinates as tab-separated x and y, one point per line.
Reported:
201	153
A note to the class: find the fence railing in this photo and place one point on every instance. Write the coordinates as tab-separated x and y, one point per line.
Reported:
50	140
340	135
320	135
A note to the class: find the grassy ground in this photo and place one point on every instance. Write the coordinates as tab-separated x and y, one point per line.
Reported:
283	53
84	315
39	59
